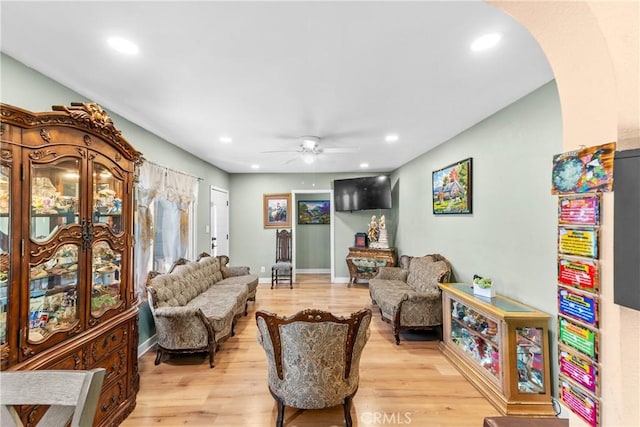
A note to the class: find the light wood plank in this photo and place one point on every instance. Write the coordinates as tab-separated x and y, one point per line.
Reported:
410	384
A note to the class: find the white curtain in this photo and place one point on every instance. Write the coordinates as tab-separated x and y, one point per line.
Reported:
172	194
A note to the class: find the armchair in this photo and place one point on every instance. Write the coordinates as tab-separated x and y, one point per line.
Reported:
408	296
313	358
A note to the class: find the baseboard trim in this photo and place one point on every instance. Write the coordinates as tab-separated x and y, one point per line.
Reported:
313	270
147	345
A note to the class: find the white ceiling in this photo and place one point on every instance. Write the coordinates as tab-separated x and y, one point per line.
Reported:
266	73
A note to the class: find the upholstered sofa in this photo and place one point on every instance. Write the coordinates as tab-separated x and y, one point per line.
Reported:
196	304
408	296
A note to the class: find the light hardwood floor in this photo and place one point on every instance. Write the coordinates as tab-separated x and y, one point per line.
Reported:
407	385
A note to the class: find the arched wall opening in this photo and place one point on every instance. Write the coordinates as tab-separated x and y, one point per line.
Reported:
593	49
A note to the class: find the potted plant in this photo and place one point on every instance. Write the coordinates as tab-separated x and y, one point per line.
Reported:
483	286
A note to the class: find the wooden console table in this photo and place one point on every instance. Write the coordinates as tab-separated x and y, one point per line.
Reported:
363	263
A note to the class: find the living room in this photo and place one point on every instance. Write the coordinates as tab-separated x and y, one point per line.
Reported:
512	233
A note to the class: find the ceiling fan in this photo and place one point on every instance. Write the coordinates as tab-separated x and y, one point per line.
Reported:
309	149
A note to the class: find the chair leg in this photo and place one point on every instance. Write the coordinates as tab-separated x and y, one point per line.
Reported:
273	277
291	280
280	418
347	411
158	356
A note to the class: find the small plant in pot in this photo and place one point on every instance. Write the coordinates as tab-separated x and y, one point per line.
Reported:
483	286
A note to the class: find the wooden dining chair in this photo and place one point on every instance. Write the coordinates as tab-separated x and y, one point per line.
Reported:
282	270
71	396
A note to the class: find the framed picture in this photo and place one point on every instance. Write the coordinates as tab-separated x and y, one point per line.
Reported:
452	189
314	212
277	210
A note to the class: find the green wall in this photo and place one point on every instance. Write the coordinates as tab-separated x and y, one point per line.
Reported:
511	234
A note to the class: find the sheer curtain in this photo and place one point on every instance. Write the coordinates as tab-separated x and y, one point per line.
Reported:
165	201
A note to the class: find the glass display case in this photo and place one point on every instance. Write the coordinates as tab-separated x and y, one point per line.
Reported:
67	296
501	346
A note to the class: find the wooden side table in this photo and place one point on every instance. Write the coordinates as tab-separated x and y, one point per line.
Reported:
363	263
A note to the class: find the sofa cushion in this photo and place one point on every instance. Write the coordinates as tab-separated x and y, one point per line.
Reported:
424	273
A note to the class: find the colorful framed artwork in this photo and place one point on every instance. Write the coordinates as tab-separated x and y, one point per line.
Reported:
579	274
579	210
580	402
577	241
277	210
314	212
451	188
582	171
578	306
579	338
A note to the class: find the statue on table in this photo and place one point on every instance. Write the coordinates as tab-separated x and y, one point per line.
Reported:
374	230
383	241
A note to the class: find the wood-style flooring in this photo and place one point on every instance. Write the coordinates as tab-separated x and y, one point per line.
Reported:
407	385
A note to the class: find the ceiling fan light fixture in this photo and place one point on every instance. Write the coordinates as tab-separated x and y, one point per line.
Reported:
308	158
310	142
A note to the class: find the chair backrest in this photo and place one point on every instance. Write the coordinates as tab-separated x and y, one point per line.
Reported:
283	245
355	331
72	395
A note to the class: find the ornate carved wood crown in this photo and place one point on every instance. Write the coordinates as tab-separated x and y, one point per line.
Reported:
89	116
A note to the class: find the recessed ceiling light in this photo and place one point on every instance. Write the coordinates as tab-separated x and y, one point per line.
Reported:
255	166
123	45
364	165
392	137
226	139
486	42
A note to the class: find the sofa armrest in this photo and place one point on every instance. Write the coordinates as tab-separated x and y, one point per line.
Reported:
392	273
182	327
234	271
424	297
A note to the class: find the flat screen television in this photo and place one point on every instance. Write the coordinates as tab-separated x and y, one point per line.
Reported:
358	194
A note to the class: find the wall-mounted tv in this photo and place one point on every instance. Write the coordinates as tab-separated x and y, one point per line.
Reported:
358	194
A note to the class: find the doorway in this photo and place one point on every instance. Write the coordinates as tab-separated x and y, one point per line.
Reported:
302	195
219	221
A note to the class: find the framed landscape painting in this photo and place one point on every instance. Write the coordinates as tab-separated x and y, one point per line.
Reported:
314	212
451	187
277	210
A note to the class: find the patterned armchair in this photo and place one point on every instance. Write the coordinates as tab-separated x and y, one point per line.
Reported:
408	296
313	358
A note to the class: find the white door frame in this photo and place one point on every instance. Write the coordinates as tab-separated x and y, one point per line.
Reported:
211	219
331	228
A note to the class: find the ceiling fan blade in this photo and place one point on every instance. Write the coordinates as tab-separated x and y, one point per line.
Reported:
290	160
340	150
279	151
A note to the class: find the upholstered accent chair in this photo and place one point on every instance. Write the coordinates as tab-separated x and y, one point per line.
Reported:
408	296
313	358
282	270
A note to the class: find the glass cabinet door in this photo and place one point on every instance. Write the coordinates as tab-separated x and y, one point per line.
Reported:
530	360
5	248
53	294
107	197
477	336
55	189
105	273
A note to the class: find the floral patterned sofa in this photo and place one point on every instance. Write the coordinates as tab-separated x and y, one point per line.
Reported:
195	305
408	296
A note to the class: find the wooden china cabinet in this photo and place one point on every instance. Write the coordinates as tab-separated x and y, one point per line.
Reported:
67	297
